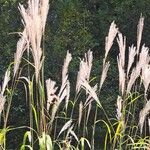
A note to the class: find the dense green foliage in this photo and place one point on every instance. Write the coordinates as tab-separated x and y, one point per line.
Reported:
75	25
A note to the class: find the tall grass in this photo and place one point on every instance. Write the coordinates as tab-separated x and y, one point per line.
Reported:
60	121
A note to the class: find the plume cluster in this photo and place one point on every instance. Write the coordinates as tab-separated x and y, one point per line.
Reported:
137	60
143	113
2	90
113	30
119	108
84	70
54	99
34	20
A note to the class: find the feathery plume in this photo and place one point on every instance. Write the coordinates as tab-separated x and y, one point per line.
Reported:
144	57
90	91
113	30
143	113
121	62
146	76
63	94
84	70
122	46
21	47
119	107
34	18
89	60
104	73
64	91
81	75
2	90
2	103
132	53
134	75
122	76
44	12
51	90
80	113
110	38
6	80
88	102
90	98
66	65
67	94
139	32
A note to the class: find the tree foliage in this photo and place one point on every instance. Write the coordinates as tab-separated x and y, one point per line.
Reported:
77	25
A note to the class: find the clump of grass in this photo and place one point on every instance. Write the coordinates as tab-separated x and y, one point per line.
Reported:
60	121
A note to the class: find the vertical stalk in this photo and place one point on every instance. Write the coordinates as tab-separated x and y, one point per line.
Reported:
93	133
